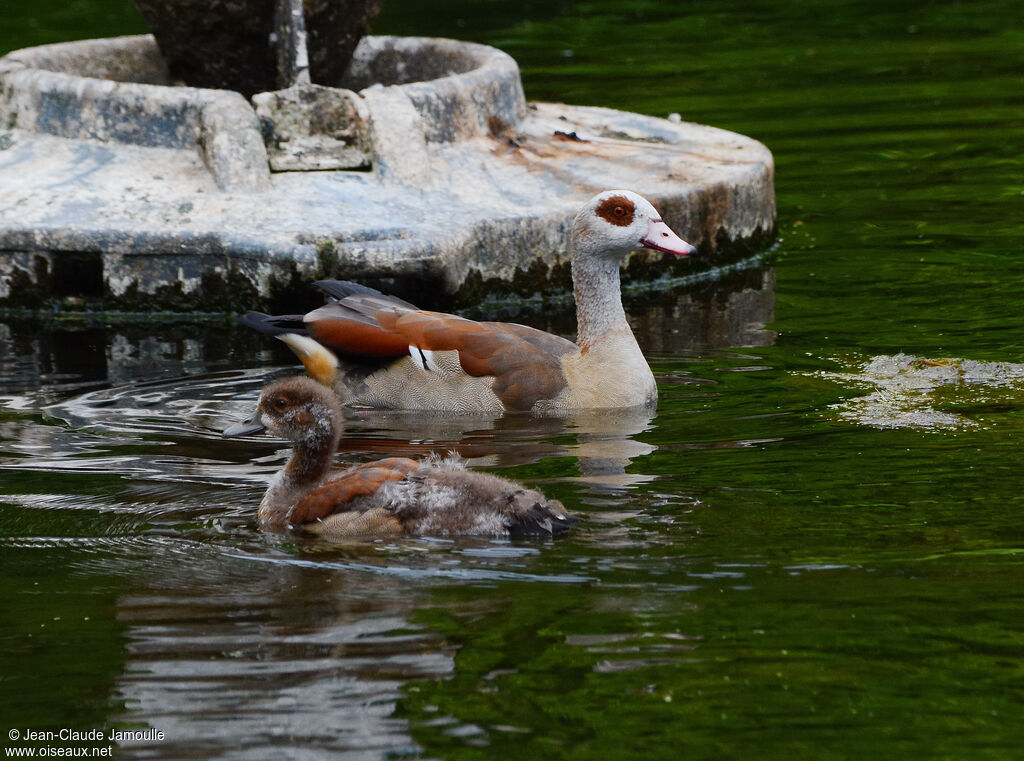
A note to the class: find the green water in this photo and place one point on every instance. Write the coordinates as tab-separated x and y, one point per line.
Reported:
760	573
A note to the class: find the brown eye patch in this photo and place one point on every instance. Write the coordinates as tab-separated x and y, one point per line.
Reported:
618	210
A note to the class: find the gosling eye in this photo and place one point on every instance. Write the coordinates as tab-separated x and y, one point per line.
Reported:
280	403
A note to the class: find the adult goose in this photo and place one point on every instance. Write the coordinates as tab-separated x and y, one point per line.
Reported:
397	495
398	356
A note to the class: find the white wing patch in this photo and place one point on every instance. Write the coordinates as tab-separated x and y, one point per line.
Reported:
422	358
444	363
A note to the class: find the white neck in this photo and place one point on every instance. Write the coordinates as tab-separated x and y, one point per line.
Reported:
598	299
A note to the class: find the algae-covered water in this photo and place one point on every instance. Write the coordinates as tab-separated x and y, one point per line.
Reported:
812	550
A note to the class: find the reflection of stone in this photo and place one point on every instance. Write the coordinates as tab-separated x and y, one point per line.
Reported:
65	357
730	313
721	314
906	390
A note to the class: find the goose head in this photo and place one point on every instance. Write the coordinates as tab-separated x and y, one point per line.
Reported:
617	222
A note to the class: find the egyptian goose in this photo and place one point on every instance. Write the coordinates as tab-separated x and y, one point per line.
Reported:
435	496
400	357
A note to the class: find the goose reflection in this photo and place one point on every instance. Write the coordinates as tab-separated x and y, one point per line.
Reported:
604	443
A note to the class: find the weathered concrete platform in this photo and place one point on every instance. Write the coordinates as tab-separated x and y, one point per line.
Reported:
119	188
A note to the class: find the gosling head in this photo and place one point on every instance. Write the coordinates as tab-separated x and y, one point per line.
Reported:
297	409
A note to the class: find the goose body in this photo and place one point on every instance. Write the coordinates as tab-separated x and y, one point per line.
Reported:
398	495
398	356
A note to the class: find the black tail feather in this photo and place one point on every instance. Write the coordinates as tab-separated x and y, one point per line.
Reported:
273	325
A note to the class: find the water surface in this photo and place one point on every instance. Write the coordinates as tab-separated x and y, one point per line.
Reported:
778	562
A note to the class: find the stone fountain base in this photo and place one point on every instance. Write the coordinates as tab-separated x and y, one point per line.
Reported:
426	171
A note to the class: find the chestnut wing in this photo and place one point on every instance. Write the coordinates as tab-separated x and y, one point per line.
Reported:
524	362
336	495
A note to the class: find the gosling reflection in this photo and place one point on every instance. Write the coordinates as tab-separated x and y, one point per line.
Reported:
216	646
